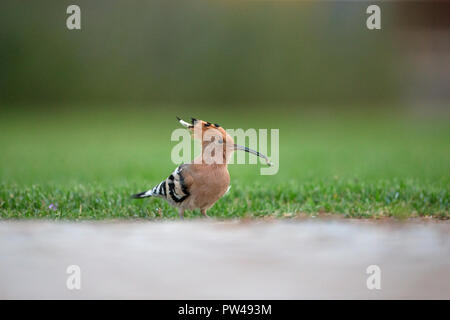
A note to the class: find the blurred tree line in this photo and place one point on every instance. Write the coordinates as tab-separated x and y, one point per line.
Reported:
194	51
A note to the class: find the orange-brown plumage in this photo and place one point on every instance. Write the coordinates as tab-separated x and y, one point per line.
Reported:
199	184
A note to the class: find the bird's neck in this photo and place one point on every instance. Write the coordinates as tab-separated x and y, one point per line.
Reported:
214	156
204	161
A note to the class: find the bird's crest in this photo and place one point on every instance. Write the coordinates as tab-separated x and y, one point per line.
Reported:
200	127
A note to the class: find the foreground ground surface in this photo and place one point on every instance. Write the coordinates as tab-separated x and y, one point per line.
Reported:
228	259
84	161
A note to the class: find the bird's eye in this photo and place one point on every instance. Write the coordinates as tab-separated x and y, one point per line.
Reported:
220	141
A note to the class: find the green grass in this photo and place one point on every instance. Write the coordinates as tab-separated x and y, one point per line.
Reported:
87	161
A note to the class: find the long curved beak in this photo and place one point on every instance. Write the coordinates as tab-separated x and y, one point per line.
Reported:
256	153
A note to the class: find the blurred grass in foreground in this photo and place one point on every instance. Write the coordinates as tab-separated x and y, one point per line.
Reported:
87	163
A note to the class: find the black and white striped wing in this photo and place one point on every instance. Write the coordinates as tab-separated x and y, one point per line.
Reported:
177	186
174	189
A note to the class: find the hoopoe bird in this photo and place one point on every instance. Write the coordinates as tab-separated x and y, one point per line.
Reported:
199	184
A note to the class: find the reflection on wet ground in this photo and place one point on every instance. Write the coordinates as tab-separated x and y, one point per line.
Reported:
225	259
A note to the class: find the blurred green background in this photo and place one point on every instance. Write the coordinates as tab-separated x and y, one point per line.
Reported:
86	115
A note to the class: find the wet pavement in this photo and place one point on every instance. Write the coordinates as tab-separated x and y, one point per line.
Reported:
304	259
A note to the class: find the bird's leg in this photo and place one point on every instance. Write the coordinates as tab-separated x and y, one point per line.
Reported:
203	211
181	212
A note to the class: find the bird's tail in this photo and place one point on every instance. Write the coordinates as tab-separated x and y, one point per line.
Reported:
158	191
141	195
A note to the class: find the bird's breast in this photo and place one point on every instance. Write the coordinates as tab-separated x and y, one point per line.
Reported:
209	186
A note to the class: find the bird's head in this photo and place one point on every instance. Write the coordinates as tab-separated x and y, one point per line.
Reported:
213	135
